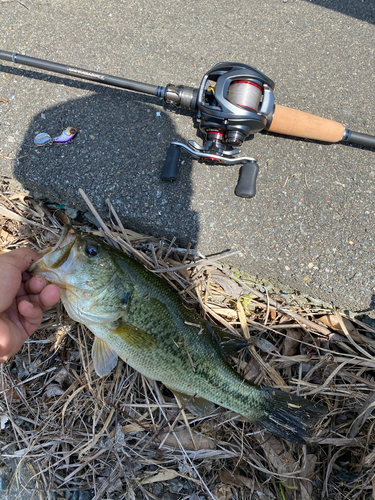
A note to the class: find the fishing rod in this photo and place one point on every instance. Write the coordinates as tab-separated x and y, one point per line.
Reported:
232	102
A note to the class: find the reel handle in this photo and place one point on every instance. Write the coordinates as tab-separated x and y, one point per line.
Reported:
246	185
170	167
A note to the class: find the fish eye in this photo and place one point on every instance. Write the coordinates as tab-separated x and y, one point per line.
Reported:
91	250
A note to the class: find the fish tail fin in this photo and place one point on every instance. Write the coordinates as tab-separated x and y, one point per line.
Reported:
287	416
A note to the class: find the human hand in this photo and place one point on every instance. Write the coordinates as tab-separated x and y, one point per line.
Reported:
23	299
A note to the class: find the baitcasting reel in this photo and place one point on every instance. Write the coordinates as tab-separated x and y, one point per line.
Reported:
232	102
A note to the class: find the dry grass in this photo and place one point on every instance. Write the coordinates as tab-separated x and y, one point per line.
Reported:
124	437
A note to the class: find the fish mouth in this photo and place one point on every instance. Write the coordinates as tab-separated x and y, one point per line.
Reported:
56	257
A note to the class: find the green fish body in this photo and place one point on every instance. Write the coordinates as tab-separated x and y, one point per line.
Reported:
135	315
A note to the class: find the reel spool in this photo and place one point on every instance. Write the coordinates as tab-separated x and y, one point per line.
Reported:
246	94
236	104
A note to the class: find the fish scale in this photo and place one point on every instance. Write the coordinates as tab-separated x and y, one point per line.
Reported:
136	316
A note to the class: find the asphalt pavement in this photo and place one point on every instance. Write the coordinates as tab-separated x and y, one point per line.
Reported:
311	225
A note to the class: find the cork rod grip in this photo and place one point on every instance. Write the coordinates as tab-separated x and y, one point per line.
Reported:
289	121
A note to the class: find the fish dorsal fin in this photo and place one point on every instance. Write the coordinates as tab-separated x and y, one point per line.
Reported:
135	337
229	342
104	357
197	405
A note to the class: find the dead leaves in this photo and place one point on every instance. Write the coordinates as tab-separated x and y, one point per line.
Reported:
292	342
235	479
8	389
164	475
293	474
229	286
183	437
229	480
333	321
53	390
223	492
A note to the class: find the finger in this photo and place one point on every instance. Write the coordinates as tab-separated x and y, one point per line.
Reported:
26	276
32	315
32	312
21	259
35	285
49	296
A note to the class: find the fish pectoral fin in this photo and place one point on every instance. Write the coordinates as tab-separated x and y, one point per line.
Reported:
135	337
197	405
104	357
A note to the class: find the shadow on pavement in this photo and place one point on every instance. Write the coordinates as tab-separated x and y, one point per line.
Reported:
118	152
365	10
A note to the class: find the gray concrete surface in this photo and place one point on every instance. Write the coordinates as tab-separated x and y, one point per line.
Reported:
311	225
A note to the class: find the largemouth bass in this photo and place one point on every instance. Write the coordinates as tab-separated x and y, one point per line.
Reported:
136	316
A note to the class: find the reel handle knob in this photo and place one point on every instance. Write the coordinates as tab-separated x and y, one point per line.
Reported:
170	167
246	185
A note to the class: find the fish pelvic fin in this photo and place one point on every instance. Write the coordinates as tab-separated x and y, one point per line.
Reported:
104	357
287	416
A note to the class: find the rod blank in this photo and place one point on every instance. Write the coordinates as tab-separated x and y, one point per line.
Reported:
116	81
359	138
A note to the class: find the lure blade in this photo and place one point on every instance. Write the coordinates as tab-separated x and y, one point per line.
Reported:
42	139
67	135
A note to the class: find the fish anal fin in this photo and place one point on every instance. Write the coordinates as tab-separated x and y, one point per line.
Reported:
104	357
197	405
135	337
